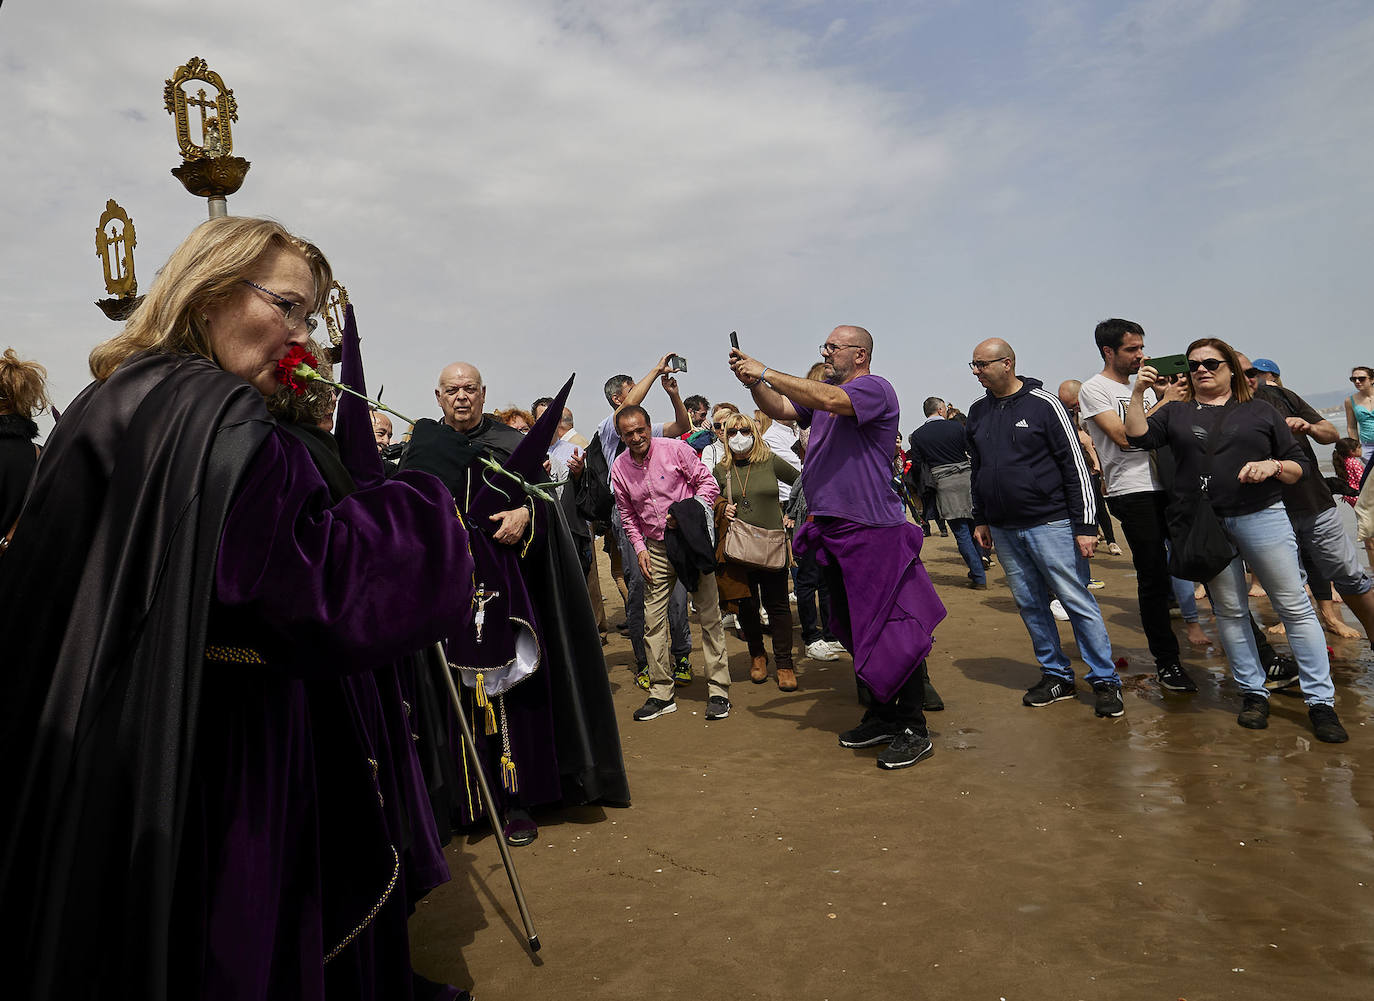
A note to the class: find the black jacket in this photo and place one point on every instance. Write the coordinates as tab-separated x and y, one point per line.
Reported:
1028	467
690	548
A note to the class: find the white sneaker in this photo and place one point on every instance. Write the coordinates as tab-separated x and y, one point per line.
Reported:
820	650
729	621
836	647
763	616
792	597
1057	610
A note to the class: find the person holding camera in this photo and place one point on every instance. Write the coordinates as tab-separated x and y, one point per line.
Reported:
1238	452
883	606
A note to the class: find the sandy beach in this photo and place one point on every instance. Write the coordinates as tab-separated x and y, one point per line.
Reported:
1039	854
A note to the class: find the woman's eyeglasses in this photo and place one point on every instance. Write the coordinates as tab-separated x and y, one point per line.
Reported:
1210	364
1357	379
734	431
294	313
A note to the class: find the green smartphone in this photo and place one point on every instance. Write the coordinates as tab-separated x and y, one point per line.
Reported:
1169	364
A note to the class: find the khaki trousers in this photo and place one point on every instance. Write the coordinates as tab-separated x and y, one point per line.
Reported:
659	588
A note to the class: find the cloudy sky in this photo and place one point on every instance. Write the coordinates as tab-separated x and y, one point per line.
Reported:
541	187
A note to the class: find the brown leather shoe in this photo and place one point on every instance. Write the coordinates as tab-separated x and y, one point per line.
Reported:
787	679
758	672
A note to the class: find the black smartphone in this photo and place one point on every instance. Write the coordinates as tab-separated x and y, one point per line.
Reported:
734	340
1169	364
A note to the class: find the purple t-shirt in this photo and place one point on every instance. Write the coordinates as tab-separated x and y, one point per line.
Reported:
848	468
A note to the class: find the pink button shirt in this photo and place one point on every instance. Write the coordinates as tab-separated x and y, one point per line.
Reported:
672	471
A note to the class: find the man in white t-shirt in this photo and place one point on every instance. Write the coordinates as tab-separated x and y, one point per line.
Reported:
1134	493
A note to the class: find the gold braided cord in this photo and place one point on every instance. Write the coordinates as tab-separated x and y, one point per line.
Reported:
372	914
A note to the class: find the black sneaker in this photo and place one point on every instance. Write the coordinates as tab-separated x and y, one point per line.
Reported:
1325	725
1050	689
1254	713
1107	699
1173	678
870	731
907	748
654	708
1282	673
717	707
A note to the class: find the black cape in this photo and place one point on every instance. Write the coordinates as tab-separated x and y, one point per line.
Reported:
586	736
108	581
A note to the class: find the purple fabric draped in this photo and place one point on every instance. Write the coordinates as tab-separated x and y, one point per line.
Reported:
893	607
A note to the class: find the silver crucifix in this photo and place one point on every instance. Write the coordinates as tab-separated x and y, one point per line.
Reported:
480	599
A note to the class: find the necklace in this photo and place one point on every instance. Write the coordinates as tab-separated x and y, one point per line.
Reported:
744	504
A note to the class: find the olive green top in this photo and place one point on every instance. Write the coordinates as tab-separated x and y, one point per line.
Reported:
756	489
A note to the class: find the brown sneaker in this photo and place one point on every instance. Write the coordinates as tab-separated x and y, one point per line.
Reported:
758	671
787	679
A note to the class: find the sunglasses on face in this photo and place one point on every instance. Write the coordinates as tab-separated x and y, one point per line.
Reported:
1210	364
1357	379
734	431
1251	373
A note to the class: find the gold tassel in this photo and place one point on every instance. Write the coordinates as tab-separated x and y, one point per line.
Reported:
508	774
480	693
491	720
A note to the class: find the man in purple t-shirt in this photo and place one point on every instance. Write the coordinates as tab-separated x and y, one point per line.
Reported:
883	606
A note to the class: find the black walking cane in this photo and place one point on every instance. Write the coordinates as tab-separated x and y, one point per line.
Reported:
440	661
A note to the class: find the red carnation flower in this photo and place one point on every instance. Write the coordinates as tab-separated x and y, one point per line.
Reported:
289	369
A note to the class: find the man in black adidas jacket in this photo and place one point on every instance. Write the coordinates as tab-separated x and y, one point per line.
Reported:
1033	499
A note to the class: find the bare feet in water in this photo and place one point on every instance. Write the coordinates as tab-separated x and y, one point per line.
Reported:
1196	636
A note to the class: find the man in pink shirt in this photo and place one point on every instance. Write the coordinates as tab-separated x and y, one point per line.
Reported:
648	478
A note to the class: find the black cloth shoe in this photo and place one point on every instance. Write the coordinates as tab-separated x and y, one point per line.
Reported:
930	699
1254	713
1325	725
907	748
717	707
654	708
520	828
1050	689
1282	673
1107	699
1173	678
870	731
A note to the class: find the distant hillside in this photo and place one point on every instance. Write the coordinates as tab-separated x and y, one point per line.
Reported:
1327	401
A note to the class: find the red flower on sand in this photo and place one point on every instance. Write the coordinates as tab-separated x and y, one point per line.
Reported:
289	369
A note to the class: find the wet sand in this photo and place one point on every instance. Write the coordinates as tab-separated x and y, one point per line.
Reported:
1039	854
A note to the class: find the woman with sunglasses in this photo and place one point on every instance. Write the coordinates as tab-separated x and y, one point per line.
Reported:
1359	410
1254	452
750	473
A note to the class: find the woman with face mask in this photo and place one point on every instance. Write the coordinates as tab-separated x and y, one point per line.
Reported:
748	475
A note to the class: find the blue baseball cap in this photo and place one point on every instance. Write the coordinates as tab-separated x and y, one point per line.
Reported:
1265	365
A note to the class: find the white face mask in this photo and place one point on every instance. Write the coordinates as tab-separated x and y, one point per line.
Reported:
741	443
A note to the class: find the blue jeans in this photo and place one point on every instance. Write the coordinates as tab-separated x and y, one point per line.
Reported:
1042	559
968	549
1265	540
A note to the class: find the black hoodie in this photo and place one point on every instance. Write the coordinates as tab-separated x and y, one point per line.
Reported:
1028	467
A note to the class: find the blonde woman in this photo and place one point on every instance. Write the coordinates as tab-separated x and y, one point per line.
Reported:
23	394
186	599
750	473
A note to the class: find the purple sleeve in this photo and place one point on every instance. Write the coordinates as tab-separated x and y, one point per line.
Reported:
871	397
803	415
347	586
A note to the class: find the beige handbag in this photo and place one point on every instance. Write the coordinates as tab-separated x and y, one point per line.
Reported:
749	545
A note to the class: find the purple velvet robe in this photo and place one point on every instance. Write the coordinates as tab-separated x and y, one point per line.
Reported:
893	607
288	858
